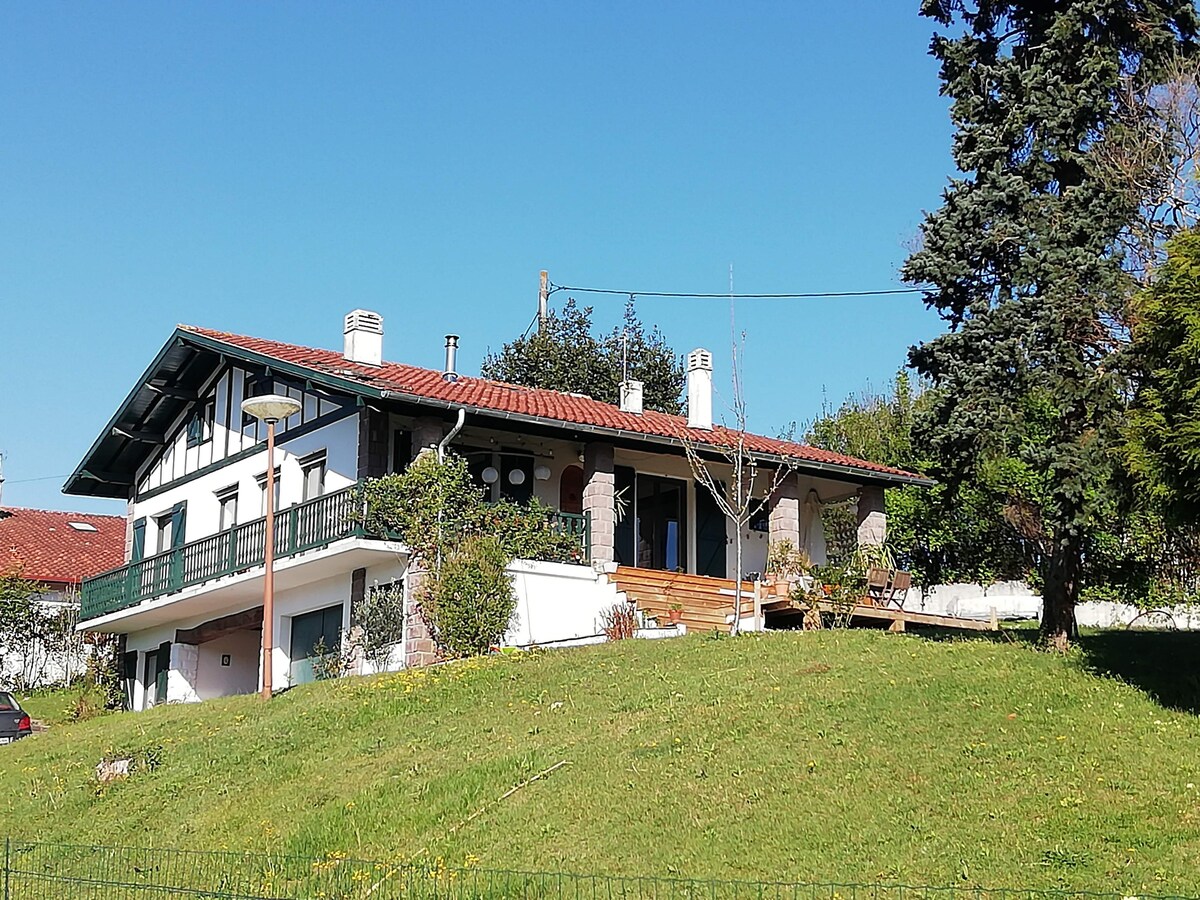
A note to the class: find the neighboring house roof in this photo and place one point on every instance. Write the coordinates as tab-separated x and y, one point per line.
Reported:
107	468
60	547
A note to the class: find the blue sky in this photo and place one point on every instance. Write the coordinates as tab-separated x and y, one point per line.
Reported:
264	168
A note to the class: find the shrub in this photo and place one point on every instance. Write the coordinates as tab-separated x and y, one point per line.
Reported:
619	621
469	604
377	623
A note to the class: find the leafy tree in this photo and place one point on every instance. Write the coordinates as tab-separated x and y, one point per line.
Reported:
564	355
1021	260
939	535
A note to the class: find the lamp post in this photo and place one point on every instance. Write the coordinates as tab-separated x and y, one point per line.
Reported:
269	408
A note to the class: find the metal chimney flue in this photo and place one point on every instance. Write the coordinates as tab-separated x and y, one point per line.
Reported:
451	372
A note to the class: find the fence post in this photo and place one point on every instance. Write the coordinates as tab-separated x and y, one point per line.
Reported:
7	849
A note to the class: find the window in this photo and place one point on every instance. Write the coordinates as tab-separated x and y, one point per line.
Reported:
503	476
760	516
262	491
165	526
227	501
254	385
312	471
200	428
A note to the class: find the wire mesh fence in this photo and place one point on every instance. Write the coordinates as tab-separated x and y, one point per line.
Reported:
43	871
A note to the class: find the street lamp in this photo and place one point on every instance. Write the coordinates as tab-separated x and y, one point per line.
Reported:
269	408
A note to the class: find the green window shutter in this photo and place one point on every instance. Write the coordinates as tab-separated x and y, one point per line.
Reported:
164	667
138	551
711	536
625	479
178	524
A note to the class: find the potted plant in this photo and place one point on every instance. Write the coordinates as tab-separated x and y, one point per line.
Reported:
675	613
786	564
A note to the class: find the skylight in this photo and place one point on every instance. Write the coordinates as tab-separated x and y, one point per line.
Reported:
83	526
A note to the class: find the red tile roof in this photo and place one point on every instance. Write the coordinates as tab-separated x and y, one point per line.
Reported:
498	396
48	548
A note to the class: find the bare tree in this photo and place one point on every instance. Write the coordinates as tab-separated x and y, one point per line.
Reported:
731	474
1151	154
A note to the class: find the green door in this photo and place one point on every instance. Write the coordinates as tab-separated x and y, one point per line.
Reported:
308	631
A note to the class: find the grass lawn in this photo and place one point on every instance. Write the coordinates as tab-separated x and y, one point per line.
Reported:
829	756
58	705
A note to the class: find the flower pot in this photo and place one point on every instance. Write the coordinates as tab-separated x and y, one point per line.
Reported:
674	616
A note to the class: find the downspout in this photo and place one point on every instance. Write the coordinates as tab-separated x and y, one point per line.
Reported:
441	450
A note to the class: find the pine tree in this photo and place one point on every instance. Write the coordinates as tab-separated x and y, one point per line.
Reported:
1021	261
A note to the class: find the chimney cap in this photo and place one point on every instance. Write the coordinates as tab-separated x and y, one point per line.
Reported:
363	320
699	359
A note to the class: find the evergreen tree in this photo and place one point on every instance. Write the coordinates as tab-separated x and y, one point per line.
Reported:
1021	261
1162	447
564	355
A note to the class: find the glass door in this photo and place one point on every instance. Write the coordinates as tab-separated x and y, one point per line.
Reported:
312	632
661	523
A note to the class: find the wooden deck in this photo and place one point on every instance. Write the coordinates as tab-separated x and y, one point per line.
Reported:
708	603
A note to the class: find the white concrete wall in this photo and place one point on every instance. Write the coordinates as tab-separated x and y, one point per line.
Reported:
339	440
1016	600
556	602
244	649
1011	600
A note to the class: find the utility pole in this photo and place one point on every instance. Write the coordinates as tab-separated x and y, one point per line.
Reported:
543	299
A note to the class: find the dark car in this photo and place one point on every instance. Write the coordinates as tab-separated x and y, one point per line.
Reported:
14	721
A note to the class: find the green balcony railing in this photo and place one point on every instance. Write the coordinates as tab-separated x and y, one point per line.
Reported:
306	526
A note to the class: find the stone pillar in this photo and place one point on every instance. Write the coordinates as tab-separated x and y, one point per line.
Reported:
419	647
783	518
427	432
599	484
181	679
872	517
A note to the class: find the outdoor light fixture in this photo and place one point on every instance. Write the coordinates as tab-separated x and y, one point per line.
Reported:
516	476
490	475
541	473
269	408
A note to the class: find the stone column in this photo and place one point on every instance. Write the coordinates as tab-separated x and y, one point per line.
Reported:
872	517
427	432
599	485
419	648
783	517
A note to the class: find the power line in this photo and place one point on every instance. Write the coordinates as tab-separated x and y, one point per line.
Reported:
40	478
798	296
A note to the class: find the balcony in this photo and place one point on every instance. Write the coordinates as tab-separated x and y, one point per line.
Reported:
308	526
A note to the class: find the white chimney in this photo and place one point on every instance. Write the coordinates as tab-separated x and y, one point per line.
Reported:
699	389
631	396
364	337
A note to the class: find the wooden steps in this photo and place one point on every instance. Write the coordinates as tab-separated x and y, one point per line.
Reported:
707	602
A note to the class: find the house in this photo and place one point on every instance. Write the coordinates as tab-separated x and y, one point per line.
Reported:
56	551
192	468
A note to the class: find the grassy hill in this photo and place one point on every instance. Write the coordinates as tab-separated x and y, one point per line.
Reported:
833	756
